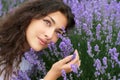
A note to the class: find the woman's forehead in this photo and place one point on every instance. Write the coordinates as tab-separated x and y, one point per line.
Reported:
58	18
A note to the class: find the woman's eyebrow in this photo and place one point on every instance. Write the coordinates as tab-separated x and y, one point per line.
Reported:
52	19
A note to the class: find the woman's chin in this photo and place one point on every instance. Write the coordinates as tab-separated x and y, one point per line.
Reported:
39	49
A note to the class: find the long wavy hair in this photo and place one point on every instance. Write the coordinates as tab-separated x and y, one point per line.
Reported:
13	26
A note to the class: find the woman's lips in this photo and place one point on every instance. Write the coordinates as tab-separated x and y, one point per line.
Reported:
42	42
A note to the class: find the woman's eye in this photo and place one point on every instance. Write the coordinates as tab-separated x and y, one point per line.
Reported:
47	22
59	32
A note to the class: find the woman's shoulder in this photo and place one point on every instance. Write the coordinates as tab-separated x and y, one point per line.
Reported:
23	67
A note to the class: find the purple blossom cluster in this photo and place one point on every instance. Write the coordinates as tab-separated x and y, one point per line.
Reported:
114	57
37	65
66	48
64	74
34	58
89	51
118	39
96	48
98	30
100	69
98	26
21	76
1	6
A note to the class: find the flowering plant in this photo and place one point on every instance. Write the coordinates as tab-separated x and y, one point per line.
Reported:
98	38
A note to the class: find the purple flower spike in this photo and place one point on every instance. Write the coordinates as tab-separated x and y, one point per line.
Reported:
63	29
73	57
74	68
64	74
21	76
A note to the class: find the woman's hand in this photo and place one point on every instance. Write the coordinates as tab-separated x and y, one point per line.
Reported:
65	64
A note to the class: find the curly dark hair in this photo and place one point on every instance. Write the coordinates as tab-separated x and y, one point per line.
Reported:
13	26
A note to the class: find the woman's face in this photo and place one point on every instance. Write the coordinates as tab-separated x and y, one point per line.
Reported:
41	32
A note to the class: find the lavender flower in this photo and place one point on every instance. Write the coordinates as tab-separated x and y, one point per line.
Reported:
74	68
73	57
114	55
97	64
99	68
1	6
98	32
31	57
52	47
89	51
21	76
105	62
65	46
87	30
97	73
64	74
108	38
96	48
118	39
37	64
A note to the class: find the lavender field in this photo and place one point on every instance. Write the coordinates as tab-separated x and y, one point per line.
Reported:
96	36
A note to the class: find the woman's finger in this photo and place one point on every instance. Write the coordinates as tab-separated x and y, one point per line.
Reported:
66	59
76	58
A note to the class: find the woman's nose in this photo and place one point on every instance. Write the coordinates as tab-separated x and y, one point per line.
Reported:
49	33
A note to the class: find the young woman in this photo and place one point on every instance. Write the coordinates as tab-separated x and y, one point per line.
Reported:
34	25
